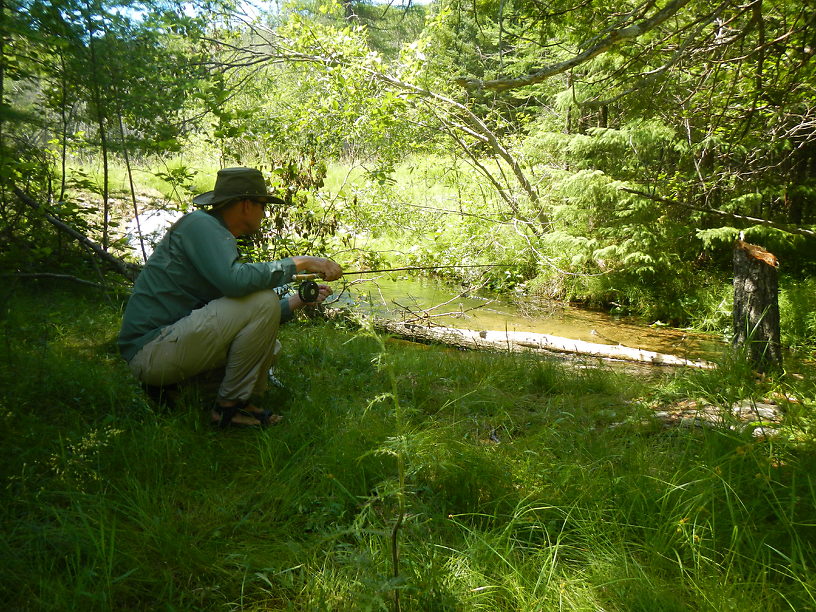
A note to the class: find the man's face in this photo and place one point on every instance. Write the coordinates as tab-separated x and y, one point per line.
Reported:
256	214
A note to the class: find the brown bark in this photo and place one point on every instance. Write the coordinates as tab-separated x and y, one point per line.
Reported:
756	306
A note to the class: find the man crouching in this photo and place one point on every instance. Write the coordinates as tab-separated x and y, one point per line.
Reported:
195	307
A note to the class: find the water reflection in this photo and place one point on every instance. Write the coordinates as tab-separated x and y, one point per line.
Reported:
403	297
400	296
153	224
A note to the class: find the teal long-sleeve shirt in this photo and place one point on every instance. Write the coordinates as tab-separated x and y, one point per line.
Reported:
196	262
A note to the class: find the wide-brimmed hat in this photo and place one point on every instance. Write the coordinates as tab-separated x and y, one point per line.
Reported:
235	184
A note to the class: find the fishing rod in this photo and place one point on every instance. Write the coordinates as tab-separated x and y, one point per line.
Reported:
309	290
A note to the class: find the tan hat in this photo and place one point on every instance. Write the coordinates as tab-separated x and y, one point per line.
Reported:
235	184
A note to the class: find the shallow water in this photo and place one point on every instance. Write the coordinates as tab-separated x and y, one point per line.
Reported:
403	297
153	224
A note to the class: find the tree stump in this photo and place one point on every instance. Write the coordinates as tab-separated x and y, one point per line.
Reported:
756	306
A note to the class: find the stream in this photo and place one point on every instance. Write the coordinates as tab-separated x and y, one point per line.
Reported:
400	296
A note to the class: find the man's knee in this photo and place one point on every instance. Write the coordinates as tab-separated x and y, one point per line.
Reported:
264	304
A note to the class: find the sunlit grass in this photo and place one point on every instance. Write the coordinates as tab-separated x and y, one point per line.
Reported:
149	177
528	484
435	210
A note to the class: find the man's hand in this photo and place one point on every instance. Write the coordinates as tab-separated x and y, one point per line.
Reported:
323	291
326	268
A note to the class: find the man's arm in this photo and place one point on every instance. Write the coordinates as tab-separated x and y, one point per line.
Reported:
212	251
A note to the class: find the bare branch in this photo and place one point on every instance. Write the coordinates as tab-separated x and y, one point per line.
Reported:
279	53
126	269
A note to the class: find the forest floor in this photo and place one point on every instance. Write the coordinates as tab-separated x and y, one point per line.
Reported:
509	481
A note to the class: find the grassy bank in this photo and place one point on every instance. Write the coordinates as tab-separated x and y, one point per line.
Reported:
526	484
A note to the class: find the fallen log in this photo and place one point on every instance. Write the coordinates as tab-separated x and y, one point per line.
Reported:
464	338
129	270
520	341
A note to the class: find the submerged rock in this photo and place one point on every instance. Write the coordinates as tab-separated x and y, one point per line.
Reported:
762	418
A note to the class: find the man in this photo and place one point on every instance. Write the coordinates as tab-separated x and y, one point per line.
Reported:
195	307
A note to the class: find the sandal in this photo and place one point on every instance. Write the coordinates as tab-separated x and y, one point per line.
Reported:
265	418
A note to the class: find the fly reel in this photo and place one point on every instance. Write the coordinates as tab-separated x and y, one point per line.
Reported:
308	290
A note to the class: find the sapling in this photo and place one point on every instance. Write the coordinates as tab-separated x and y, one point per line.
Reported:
398	451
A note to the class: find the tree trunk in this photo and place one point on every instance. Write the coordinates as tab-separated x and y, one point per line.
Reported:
603	116
105	177
756	306
63	127
2	95
98	101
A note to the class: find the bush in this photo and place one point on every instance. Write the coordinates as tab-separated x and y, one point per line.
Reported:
797	305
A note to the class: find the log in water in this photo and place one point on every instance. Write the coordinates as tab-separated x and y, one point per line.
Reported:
577	327
520	341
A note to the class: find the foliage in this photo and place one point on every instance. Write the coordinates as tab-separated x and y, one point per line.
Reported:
682	124
550	488
302	225
333	109
106	63
387	27
797	306
100	77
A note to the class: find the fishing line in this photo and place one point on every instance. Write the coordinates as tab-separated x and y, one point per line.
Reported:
430	268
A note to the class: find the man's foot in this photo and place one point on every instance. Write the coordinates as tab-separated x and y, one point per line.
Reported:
246	415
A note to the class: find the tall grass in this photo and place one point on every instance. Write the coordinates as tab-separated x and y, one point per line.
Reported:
797	305
526	484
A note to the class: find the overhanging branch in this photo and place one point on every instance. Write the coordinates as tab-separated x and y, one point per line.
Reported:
277	52
615	37
724	213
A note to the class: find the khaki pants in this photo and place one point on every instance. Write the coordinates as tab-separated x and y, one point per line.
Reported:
237	334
